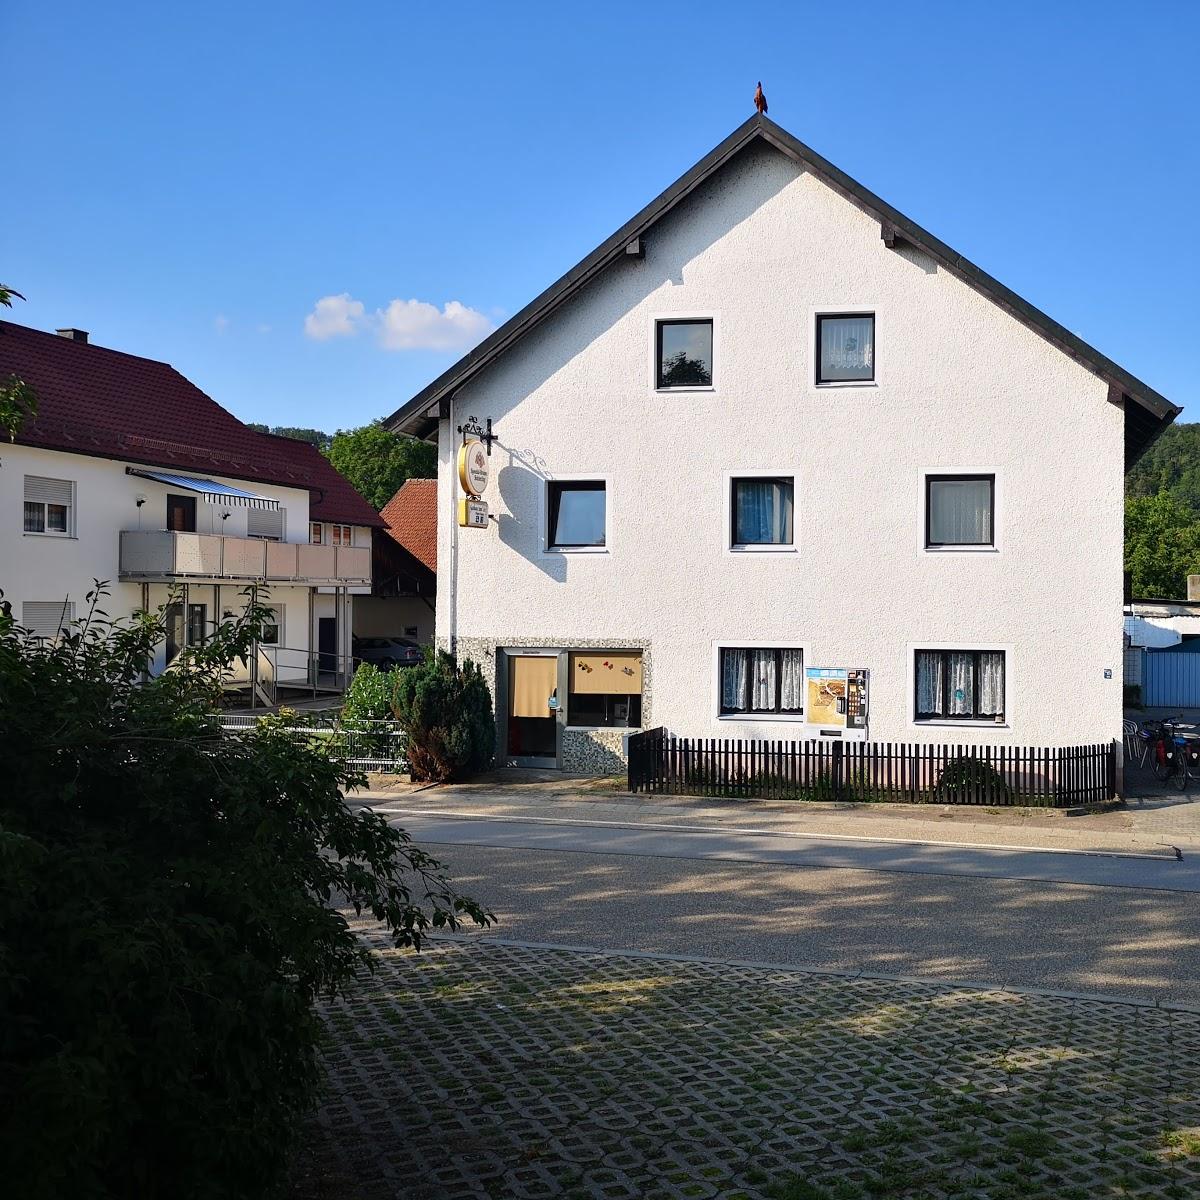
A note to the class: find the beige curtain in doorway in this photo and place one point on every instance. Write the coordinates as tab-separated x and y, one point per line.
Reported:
531	683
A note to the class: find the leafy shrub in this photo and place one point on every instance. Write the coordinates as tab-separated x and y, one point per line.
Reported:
446	710
166	918
967	776
369	696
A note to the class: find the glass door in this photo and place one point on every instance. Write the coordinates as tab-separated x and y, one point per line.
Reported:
532	710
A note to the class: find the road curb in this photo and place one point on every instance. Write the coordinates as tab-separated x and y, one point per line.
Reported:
790	968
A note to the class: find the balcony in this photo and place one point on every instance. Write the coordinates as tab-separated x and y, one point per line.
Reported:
164	556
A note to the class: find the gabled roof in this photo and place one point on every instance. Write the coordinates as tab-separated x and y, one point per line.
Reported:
1147	413
411	519
108	404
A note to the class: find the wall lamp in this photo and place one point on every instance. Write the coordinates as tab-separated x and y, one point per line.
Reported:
140	499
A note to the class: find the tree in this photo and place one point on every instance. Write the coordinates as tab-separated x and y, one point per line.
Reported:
446	710
314	437
18	401
168	915
681	371
1171	465
377	461
1162	545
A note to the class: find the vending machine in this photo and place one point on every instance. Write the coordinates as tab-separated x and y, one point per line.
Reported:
837	702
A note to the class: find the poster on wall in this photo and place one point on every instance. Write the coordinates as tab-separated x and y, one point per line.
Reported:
836	702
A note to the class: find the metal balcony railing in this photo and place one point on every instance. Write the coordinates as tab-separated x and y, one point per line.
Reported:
159	555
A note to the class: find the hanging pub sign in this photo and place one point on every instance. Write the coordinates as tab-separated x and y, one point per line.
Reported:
836	702
472	514
473	467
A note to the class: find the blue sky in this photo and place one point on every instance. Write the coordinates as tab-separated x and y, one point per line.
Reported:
188	181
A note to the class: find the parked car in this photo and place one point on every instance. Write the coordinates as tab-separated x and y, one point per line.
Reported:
387	652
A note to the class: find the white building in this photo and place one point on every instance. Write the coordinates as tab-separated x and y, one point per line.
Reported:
131	475
769	426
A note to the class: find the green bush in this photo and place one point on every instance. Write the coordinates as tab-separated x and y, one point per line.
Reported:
965	776
167	918
446	710
369	696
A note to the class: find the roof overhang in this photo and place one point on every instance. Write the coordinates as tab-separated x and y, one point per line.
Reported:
1146	416
209	490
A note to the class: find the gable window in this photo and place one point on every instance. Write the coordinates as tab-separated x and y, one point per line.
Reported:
959	510
605	689
959	685
758	681
846	348
761	511
342	535
49	505
577	514
316	532
684	354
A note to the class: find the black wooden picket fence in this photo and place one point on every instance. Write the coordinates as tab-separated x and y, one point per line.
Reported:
1049	777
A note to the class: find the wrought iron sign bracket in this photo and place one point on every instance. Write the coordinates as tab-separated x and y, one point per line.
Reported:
472	428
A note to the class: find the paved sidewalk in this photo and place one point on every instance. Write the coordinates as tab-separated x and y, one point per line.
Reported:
1150	825
481	1070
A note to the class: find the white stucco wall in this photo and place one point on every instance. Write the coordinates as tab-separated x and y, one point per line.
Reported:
960	386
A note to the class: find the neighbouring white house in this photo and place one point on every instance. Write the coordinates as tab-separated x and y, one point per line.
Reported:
774	462
131	475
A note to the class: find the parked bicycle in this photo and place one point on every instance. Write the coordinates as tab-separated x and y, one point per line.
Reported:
1174	756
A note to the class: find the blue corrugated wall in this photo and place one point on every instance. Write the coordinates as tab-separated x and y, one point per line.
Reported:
1171	680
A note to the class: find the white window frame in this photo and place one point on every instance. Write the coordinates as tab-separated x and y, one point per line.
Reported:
923	516
910	676
754	717
69	532
814	348
278	612
732	547
548	551
565	701
319	528
685	316
347	533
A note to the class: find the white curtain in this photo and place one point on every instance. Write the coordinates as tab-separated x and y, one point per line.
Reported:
962	684
847	348
762	681
929	683
991	683
960	512
791	679
763	512
733	679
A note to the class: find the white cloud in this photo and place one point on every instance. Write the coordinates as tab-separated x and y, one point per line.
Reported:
334	316
402	325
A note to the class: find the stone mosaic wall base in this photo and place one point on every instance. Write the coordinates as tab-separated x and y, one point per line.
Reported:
587	751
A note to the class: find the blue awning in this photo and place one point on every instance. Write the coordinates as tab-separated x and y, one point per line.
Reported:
211	491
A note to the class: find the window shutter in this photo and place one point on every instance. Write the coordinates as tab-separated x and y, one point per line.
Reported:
264	522
45	618
48	491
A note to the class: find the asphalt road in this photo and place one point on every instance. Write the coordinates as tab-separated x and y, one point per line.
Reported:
1085	923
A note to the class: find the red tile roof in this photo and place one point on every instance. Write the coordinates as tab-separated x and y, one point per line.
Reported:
101	402
411	519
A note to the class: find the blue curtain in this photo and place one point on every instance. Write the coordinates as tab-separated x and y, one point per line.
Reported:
763	512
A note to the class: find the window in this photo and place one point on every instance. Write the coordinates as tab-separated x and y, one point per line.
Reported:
684	354
194	633
577	514
846	348
959	510
272	628
959	685
343	535
757	681
49	505
316	532
46	618
265	523
761	511
605	689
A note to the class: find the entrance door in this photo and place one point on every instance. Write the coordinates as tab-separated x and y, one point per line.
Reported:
327	643
197	622
532	710
181	513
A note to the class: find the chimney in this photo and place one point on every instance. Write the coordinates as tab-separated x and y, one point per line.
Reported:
1193	586
74	335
